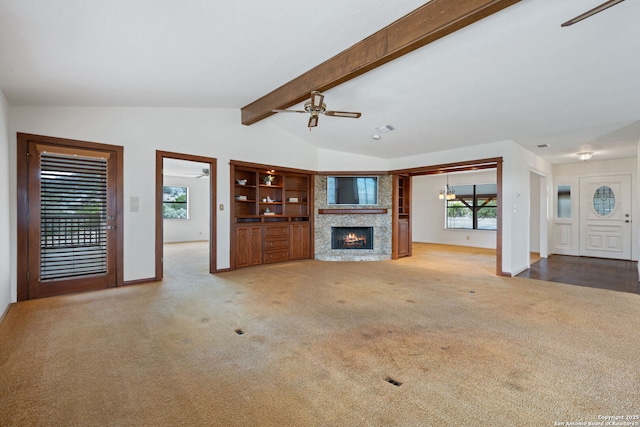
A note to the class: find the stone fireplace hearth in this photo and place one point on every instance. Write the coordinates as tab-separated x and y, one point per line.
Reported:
376	219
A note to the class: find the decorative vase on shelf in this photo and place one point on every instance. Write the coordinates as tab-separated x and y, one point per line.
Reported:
268	179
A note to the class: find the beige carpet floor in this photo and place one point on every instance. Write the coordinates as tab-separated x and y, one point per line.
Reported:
312	343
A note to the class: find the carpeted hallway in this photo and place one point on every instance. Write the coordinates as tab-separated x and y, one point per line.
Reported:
312	343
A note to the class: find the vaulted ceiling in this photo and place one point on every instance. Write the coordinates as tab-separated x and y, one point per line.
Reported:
515	75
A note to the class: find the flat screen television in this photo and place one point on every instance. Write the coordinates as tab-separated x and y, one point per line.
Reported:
352	190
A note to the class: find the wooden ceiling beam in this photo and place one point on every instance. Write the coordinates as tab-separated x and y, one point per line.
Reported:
424	25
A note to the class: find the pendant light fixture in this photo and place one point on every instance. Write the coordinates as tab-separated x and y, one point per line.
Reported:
448	192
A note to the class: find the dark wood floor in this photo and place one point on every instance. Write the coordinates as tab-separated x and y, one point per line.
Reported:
601	273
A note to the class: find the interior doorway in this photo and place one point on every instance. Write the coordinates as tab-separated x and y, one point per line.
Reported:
471	165
538	240
185	205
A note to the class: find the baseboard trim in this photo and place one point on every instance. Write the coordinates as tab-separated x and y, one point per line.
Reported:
139	281
6	311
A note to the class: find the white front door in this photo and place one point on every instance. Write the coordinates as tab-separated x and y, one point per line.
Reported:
605	217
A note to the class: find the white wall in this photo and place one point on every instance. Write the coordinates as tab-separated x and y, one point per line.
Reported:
428	212
196	227
329	160
141	131
7	294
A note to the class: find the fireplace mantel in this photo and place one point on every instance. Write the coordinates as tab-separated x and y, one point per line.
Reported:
356	211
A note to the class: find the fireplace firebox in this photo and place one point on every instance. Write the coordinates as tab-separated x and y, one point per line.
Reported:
351	237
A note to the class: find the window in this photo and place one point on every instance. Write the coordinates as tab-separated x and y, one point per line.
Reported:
175	202
604	201
475	207
564	201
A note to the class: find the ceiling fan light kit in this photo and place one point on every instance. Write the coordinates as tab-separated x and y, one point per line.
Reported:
316	106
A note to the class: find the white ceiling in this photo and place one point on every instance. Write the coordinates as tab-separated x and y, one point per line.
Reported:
516	75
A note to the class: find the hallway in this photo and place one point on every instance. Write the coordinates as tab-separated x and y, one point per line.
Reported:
612	274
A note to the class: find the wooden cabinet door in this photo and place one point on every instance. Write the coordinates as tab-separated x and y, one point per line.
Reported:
401	244
248	245
404	237
300	239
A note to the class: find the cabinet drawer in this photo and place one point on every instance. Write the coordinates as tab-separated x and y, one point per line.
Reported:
276	231
276	244
276	256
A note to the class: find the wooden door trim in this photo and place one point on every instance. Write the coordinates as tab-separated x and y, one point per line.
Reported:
159	252
22	181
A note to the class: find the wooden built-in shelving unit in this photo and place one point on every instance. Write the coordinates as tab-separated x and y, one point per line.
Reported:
271	220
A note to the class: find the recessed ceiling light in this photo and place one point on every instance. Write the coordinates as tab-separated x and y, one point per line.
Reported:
376	137
385	128
543	145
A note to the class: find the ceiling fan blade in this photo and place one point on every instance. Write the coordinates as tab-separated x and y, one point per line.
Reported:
313	121
592	12
288	111
316	100
349	114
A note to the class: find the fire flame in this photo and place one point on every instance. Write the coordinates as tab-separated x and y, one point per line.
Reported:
351	237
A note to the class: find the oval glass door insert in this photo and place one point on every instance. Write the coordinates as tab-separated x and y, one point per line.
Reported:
604	201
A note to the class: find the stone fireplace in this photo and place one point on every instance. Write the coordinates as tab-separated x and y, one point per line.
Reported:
355	238
375	219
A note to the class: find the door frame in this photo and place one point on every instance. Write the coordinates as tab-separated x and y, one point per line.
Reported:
159	256
22	184
471	165
540	214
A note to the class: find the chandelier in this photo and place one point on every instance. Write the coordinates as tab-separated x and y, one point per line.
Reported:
448	192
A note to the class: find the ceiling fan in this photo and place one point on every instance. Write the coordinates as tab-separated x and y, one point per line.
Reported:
316	106
205	173
592	12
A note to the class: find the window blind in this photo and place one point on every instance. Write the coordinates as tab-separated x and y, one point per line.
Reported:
73	229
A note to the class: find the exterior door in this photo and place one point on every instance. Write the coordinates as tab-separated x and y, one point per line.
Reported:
71	220
605	217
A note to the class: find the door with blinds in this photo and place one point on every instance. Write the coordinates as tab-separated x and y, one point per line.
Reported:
72	219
